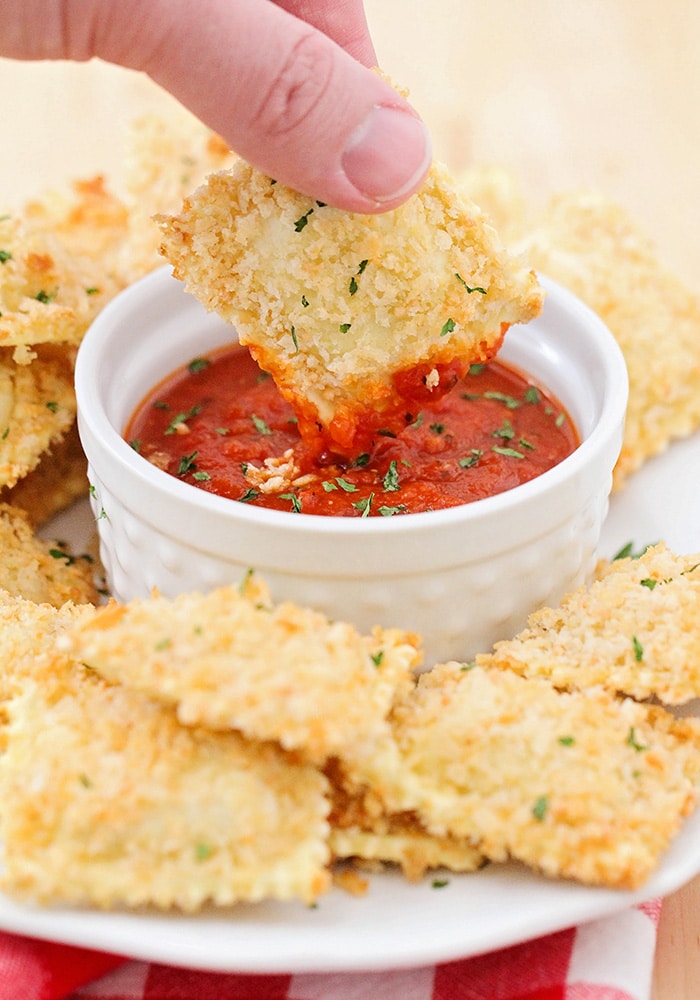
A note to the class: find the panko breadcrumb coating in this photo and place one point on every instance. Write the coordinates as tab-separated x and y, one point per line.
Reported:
588	243
577	785
41	571
37	406
227	660
635	630
108	800
350	313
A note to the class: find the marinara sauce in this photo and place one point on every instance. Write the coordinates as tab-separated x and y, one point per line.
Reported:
220	424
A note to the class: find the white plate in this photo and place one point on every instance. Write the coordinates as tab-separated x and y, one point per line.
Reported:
398	924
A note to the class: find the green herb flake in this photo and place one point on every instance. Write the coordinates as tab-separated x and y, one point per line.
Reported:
440	883
469	288
447	327
638	649
294	339
649	582
5	433
53	406
627	552
84	781
61	554
391	479
165	643
328	486
344	327
633	742
92	290
203	851
345	485
198	365
560	421
505	431
361	460
260	425
470	460
302	221
187	464
45	297
304	301
532	395
507	452
5	255
202	476
136	445
377	657
249	495
180	420
540	807
363	265
567	741
294	500
386	511
437	428
364	505
510	402
353	286
161	405
476	369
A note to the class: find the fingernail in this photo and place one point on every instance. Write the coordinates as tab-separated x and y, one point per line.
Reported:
387	154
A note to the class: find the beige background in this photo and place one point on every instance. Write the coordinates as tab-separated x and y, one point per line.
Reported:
597	92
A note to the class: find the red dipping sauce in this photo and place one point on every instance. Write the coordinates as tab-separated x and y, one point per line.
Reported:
220	424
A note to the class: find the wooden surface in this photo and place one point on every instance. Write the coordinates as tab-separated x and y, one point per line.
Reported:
564	93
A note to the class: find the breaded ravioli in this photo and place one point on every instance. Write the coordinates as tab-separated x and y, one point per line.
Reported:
574	784
107	800
357	318
39	570
230	660
635	630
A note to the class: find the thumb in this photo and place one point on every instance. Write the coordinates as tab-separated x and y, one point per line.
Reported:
285	96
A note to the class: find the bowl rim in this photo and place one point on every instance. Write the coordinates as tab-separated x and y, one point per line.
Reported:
96	426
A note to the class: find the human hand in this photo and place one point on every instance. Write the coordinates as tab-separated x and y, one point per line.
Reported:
287	84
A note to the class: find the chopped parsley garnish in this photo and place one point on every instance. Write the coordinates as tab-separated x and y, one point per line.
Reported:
633	742
470	460
505	431
344	327
201	476
399	508
532	395
294	338
198	365
249	495
440	883
46	297
346	485
136	445
469	288
5	255
353	286
302	221
627	552
510	402
567	741
391	479
304	301
203	851
437	428
53	406
447	327
477	368
364	505
294	500
187	464
508	452
361	460
561	418
540	807
61	554
638	649
649	582
180	420
363	265
377	657
260	425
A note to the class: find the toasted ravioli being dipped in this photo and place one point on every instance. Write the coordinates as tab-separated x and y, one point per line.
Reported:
355	317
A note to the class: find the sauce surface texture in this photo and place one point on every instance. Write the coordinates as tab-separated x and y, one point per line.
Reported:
220	424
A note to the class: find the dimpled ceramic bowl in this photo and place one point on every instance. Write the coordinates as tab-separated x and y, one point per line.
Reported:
463	577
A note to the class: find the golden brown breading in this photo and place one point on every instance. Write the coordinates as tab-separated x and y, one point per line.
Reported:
47	294
588	243
37	406
54	484
635	630
38	570
350	313
229	661
107	800
580	785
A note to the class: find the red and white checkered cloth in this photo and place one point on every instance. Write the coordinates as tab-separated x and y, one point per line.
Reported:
607	959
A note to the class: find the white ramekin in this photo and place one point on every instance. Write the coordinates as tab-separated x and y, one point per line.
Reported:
463	577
